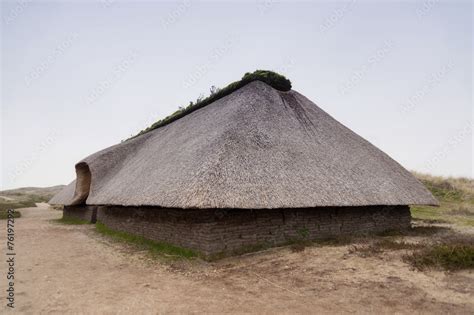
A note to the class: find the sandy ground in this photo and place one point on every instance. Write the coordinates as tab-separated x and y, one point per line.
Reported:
71	269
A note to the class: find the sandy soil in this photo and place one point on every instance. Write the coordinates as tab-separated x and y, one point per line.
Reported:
71	269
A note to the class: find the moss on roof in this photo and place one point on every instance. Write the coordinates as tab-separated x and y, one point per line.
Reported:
271	78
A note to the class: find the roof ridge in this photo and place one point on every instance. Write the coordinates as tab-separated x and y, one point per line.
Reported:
273	79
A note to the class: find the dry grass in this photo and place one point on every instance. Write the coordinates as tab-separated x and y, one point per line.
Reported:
380	246
25	198
456	196
448	188
438	251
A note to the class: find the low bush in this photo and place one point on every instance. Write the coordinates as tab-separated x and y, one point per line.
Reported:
4	214
451	255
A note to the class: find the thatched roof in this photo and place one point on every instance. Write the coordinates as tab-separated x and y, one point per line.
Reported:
255	148
273	79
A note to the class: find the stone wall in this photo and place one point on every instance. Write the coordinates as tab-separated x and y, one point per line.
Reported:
212	231
86	213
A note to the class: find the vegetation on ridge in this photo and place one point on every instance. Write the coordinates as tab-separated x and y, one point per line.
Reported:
271	78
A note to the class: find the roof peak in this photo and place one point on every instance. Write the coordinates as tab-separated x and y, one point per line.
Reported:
273	79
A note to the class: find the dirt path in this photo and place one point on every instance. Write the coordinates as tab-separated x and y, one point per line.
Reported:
71	269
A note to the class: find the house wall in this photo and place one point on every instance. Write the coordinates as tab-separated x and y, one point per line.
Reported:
83	212
212	231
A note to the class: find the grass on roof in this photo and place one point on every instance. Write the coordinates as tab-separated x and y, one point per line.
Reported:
271	78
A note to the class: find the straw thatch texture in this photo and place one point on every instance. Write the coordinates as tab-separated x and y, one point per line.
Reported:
255	148
65	196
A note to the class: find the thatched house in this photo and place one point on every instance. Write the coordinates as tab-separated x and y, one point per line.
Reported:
258	163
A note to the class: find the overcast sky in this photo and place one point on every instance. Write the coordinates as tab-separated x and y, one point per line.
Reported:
80	76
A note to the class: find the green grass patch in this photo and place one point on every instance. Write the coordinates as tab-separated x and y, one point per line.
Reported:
468	222
443	190
456	197
451	255
71	221
273	79
155	248
4	214
447	212
426	213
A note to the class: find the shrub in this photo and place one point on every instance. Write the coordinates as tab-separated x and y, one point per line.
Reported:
4	214
273	79
452	255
